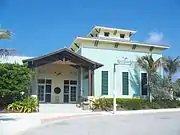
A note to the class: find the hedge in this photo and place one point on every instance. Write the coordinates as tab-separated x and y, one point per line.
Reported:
106	104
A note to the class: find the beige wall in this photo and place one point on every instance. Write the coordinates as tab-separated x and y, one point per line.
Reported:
48	72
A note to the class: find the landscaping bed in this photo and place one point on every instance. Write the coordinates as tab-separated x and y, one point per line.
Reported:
106	104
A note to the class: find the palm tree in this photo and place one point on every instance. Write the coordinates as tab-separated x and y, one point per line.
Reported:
172	66
5	34
148	64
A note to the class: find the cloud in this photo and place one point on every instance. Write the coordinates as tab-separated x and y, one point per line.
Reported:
155	38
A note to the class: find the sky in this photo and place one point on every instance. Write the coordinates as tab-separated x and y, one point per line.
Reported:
42	26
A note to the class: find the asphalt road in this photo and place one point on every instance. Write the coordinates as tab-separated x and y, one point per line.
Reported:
137	124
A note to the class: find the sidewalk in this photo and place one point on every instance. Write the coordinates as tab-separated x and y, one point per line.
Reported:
12	124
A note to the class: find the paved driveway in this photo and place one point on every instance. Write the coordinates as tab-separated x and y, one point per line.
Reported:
137	124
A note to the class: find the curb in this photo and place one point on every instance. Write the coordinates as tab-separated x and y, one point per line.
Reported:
152	111
70	116
60	119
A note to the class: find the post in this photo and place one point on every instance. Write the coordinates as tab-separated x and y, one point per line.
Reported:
81	81
114	89
92	87
89	83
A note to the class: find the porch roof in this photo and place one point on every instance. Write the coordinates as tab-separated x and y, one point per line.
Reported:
62	55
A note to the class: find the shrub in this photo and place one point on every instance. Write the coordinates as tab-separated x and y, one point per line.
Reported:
106	104
28	105
153	105
130	104
168	103
15	78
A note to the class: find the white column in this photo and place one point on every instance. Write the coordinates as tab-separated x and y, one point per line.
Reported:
114	88
81	81
34	83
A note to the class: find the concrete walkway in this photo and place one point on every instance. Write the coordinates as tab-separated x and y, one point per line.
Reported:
11	124
60	108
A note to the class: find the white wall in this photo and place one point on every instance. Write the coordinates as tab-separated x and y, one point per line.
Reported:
108	57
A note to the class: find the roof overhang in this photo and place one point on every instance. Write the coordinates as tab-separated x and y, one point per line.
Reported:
81	39
65	56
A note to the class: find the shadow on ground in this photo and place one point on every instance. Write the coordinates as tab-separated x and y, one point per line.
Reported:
5	118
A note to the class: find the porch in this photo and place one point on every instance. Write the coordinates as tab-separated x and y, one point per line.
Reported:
62	77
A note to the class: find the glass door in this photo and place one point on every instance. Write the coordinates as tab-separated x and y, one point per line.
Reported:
41	93
70	91
73	91
66	91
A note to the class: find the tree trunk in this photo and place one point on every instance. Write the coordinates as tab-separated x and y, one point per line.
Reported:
149	88
170	76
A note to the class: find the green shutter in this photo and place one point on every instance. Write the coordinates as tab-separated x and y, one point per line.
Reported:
125	83
143	84
104	82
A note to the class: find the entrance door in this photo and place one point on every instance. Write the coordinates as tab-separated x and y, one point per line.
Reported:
41	93
70	91
44	90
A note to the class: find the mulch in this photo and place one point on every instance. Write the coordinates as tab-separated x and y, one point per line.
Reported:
4	110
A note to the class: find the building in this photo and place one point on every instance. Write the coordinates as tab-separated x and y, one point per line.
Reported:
86	67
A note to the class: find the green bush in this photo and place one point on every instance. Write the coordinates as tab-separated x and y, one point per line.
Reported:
28	105
133	104
102	104
153	105
168	103
14	79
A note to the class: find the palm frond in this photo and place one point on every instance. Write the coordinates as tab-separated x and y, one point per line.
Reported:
5	34
142	63
161	62
173	65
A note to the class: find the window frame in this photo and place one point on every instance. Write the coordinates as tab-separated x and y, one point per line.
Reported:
141	88
127	83
122	36
102	84
106	34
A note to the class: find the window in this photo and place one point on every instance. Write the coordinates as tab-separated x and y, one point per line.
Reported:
106	34
41	81
122	35
143	83
73	82
104	82
125	83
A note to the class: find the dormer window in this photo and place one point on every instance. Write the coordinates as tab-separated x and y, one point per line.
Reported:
106	34
122	35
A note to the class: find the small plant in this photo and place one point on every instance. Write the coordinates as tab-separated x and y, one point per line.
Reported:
28	105
102	104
